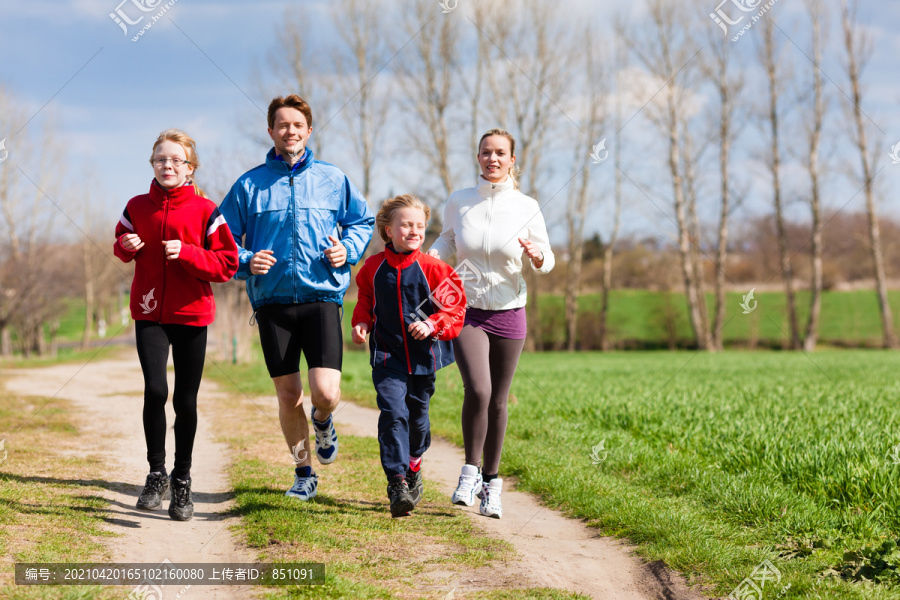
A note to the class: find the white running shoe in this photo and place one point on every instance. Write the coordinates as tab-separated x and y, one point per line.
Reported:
304	488
490	499
469	486
326	439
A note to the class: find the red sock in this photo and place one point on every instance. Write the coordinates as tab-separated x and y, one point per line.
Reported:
415	463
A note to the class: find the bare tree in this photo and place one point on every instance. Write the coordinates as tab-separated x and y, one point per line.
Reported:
580	196
609	248
690	157
814	127
29	181
775	79
483	14
533	57
531	60
667	51
362	26
728	88
858	51
427	74
298	70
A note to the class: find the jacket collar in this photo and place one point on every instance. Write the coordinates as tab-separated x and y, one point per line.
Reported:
399	260
282	168
485	187
175	197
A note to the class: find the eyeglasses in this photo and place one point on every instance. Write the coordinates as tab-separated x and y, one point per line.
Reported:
176	162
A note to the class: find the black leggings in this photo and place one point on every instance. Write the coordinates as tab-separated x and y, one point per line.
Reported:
188	353
487	363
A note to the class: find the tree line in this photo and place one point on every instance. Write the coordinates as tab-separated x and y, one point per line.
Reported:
611	112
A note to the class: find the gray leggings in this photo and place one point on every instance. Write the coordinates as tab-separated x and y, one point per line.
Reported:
487	363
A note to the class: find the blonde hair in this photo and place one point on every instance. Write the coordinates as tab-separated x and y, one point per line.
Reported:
190	151
391	205
513	170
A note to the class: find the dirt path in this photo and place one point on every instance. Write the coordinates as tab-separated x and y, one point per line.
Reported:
553	551
110	394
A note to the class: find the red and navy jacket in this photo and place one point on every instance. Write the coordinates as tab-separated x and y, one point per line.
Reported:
397	289
176	291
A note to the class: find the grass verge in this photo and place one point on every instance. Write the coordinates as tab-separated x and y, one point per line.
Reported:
51	509
348	525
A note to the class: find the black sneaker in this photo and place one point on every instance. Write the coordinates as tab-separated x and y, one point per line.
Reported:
415	485
181	508
401	502
156	489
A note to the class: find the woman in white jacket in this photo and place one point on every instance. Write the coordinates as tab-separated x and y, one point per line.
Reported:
490	228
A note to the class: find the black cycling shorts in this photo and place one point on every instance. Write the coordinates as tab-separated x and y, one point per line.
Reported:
288	330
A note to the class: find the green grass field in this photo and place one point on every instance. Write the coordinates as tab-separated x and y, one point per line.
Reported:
712	463
644	319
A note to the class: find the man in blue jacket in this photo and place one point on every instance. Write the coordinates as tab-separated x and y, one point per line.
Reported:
297	265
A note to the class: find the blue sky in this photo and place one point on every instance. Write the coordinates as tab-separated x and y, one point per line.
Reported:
197	69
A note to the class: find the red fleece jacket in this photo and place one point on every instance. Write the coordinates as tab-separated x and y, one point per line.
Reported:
176	291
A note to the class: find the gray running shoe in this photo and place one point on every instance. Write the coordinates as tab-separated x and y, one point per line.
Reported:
156	489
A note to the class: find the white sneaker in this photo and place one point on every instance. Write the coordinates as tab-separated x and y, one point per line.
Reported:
490	499
326	440
304	488
469	486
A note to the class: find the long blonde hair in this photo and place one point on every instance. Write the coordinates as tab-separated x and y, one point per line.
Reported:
391	205
513	170
190	151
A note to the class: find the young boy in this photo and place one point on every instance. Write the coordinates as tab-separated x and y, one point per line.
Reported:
412	304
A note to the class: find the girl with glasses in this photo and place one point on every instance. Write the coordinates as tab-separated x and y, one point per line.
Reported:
179	243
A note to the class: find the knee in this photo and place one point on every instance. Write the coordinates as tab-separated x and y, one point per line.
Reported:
478	391
326	399
497	407
155	393
289	396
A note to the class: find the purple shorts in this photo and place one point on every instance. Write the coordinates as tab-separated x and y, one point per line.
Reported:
510	324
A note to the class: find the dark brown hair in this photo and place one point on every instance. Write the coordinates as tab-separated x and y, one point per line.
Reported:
292	101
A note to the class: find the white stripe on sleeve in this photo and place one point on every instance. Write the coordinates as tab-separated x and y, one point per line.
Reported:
220	220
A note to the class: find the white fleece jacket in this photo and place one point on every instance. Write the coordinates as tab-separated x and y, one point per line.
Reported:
482	227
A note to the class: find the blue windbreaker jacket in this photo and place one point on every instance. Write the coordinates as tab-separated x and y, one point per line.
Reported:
292	213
